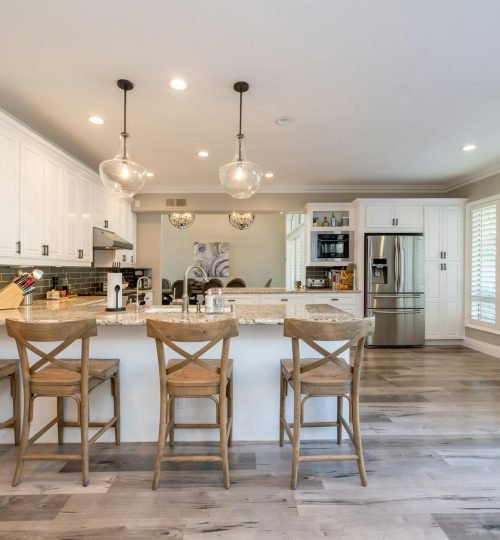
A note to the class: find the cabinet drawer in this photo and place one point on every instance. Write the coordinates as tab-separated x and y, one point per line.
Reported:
335	299
242	299
283	299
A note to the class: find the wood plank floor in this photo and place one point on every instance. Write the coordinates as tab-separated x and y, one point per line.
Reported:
431	430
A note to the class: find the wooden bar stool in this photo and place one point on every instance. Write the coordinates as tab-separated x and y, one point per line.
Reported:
327	376
53	377
194	377
9	369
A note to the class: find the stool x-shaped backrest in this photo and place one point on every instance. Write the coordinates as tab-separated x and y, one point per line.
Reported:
352	332
167	333
64	332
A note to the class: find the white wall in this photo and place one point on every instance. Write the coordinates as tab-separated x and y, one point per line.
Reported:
256	254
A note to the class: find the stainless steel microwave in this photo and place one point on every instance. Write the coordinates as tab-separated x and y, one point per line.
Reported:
332	247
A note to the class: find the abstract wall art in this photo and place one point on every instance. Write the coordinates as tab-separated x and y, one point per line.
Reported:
213	257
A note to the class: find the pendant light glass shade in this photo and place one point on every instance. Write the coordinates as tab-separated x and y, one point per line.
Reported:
181	220
241	178
241	221
121	176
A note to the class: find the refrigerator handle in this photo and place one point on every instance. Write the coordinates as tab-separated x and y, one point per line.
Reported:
402	265
396	262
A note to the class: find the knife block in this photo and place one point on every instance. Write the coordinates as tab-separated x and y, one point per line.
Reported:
10	297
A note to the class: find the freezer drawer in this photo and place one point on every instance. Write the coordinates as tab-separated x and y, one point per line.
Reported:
395	301
397	327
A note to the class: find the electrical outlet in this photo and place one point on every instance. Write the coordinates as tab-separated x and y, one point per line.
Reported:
179	403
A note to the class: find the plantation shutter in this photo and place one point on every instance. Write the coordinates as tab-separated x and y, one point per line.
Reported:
483	263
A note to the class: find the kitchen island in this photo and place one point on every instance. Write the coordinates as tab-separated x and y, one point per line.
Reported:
256	353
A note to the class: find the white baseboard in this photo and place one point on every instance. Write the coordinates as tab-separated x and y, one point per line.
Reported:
486	348
431	342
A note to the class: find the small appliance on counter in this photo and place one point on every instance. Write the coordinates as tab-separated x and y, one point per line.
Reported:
114	294
316	283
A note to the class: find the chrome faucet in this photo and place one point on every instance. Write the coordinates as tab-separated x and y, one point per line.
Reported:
148	285
185	297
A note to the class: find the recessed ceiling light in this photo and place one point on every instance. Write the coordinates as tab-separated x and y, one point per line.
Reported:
97	120
178	84
202	153
150	174
284	120
269	174
468	147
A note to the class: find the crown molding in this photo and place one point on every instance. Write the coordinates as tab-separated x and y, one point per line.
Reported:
482	174
302	188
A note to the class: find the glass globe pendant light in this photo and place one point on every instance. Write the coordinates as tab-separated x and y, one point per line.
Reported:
121	176
241	178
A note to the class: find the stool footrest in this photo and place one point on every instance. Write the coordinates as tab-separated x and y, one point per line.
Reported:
8	423
193	459
52	457
332	457
196	426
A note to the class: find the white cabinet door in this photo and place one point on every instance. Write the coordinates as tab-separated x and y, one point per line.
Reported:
433	233
54	176
103	208
452	317
73	216
379	216
9	201
32	198
453	232
409	216
283	299
433	288
86	221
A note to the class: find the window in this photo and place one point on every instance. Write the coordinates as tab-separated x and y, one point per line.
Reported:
483	266
295	267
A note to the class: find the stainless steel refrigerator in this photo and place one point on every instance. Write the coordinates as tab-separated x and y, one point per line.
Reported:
394	289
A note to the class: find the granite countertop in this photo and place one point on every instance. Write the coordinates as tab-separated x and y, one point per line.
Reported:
94	308
282	290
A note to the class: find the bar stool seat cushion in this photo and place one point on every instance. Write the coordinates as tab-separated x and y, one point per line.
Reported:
8	367
196	376
326	379
53	376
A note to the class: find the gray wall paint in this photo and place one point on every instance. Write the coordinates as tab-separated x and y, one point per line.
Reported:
148	248
256	254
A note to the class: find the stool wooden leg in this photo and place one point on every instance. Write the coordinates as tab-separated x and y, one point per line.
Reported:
340	407
230	410
115	389
357	438
283	382
296	436
15	392
24	439
60	420
162	434
223	438
171	435
84	430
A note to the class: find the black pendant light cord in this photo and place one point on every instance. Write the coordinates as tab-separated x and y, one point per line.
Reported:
124	133
240	135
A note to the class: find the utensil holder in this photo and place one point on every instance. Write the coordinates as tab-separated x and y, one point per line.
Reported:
10	297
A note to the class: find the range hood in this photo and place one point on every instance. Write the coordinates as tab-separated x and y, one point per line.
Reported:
104	239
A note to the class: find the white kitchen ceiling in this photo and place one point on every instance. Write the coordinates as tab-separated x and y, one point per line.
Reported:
382	92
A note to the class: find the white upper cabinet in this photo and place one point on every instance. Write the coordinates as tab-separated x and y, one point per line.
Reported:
50	202
54	204
31	201
391	216
9	201
444	232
